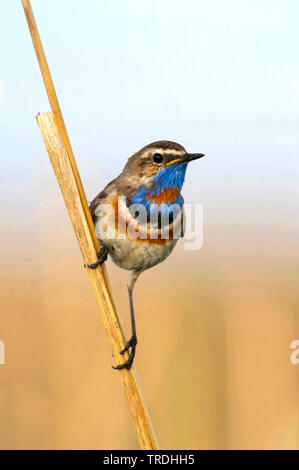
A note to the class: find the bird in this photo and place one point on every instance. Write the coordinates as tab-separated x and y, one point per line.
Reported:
139	216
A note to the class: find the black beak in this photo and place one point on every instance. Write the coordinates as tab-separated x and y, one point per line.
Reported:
188	157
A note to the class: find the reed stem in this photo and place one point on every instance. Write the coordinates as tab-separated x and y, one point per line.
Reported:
60	152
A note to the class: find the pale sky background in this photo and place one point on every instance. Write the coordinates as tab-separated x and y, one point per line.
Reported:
221	78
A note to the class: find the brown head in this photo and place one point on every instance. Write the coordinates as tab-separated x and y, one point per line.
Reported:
152	158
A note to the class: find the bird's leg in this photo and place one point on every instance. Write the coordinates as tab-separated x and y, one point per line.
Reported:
102	256
133	340
132	343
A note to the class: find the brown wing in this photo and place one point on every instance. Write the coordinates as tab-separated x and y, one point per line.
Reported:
101	197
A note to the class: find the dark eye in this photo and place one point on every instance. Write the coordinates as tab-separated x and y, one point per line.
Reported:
158	158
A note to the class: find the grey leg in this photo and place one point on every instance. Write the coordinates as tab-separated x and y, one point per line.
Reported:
132	343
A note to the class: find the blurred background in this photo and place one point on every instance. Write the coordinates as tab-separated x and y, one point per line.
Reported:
215	325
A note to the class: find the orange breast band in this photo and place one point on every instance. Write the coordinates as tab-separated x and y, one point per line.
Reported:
167	195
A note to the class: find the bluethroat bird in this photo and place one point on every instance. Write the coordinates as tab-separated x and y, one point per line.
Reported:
139	216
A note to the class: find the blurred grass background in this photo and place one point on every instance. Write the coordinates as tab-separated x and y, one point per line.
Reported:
215	325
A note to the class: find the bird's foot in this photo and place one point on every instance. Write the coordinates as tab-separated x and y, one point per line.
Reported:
102	257
132	343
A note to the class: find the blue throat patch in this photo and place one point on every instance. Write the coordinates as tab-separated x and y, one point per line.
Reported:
172	176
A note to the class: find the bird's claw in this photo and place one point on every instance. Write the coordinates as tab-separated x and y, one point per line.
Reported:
132	343
102	257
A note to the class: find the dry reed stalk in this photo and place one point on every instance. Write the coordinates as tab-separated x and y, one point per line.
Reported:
61	155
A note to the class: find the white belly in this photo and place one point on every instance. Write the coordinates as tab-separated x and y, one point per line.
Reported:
138	255
126	252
